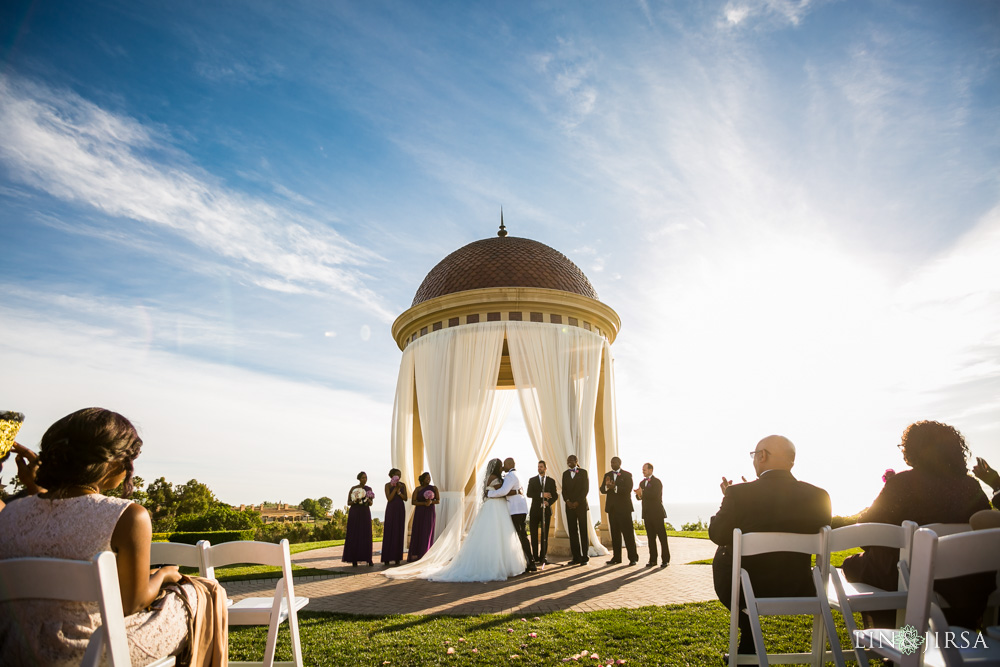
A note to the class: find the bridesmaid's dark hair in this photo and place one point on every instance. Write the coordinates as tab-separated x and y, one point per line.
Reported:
77	448
362	474
424	476
395	472
936	448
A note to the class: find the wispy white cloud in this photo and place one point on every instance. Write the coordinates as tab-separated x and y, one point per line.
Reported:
74	150
781	12
219	424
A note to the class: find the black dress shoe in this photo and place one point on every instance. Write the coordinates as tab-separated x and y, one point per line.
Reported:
632	562
614	561
665	563
584	561
650	564
531	568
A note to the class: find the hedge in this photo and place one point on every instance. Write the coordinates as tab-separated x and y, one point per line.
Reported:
213	536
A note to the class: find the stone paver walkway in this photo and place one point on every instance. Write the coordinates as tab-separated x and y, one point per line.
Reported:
363	590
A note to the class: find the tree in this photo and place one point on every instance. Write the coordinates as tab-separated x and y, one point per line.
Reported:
315	507
220	517
326	504
194	498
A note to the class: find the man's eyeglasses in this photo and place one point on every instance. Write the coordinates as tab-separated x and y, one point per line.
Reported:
755	452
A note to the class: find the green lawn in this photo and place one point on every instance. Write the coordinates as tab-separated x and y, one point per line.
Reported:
690	634
697	534
309	546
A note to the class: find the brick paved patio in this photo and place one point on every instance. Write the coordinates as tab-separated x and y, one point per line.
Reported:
364	590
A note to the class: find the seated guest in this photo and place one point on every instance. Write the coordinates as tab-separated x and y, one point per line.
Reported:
775	502
937	489
82	456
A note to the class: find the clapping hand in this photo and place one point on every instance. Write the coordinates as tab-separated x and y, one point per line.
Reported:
983	471
726	483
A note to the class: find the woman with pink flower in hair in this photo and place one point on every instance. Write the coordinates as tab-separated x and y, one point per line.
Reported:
425	497
936	489
395	519
358	543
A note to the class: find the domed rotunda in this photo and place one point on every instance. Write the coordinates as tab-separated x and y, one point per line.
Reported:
501	314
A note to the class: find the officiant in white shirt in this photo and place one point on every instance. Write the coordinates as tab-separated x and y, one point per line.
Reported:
517	505
542	492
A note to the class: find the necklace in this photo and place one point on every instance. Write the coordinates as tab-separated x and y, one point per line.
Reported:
93	488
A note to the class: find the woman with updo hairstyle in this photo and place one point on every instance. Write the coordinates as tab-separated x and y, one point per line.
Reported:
395	518
83	456
425	497
937	489
358	541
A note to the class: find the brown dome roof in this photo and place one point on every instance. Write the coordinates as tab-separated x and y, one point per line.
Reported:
505	261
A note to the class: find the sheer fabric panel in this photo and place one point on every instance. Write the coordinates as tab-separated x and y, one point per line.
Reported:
556	373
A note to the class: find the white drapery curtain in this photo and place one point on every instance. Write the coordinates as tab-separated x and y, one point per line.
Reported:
461	413
556	373
402	430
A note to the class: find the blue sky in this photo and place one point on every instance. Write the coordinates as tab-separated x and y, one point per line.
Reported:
212	213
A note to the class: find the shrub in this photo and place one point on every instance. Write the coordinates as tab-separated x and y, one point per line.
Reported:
221	517
697	525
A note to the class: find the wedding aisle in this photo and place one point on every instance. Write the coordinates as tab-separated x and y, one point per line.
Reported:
596	586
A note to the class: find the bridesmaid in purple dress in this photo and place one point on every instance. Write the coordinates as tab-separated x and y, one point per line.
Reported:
358	545
395	519
422	534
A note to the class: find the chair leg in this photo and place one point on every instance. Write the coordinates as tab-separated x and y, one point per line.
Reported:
758	634
273	625
845	609
734	616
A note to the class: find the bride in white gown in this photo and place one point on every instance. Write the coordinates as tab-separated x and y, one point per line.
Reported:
490	552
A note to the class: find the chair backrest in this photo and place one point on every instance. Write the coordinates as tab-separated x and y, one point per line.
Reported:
937	557
752	544
176	553
95	580
873	535
944	529
227	553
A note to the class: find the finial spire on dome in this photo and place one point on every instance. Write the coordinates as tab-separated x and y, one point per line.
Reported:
503	230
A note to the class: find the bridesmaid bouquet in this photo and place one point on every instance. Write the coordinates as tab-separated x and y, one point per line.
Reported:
359	495
394	480
369	494
428	494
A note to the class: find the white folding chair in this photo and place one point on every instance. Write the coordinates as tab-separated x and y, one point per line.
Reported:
847	597
939	558
817	606
270	611
95	580
176	553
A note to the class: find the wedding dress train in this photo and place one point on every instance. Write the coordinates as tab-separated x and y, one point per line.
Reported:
490	552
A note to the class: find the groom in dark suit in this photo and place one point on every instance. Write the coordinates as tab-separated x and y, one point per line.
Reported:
775	502
650	493
617	486
575	487
542	492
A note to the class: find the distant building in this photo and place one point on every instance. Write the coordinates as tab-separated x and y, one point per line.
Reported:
279	512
